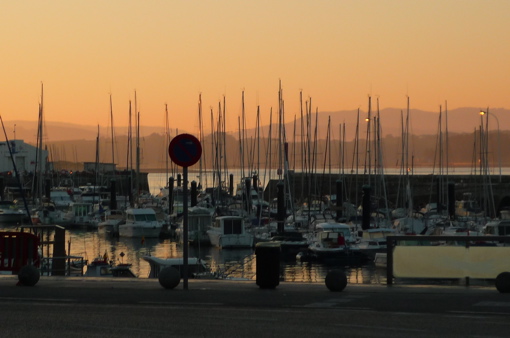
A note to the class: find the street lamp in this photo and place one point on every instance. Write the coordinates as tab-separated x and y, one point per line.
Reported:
482	113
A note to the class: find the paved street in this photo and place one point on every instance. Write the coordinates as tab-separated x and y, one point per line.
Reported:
82	307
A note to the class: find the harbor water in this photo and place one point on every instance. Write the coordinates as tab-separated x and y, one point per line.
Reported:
228	263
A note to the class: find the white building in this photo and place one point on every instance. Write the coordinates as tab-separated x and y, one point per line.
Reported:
24	156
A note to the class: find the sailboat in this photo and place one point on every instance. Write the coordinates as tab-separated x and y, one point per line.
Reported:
140	221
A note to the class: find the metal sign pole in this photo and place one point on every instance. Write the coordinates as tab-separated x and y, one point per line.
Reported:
185	150
185	228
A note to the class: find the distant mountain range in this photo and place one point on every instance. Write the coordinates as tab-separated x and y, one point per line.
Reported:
72	144
59	131
461	120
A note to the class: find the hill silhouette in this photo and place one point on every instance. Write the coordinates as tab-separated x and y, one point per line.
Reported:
77	143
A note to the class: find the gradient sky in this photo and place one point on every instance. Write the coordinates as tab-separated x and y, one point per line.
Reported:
336	52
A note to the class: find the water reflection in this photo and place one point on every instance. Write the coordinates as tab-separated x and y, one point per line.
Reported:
238	263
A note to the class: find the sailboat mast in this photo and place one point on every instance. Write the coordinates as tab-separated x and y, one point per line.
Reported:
167	135
225	137
129	156
38	160
242	138
137	156
113	133
201	136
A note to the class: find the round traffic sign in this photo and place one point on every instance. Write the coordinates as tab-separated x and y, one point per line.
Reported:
185	150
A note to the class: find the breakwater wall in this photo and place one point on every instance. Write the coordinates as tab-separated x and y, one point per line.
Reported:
394	188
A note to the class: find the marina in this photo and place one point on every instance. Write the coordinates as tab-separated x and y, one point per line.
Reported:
311	247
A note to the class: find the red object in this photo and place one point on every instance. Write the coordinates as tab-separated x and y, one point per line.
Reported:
341	240
18	249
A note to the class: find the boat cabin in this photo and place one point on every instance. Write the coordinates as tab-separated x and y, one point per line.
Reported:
229	225
333	227
497	228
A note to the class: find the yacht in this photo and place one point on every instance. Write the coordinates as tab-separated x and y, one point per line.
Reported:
332	239
230	232
11	213
199	221
140	222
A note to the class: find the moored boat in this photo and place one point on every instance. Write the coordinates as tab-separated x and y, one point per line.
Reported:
100	267
230	232
196	267
140	222
11	214
199	221
333	240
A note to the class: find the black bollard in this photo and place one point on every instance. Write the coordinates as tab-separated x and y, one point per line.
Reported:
438	197
339	200
365	216
170	195
193	194
2	187
231	185
130	194
47	188
280	216
451	200
247	195
113	195
179	180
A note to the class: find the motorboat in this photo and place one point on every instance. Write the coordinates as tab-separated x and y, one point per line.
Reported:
497	228
49	214
230	232
374	241
140	222
199	221
332	239
10	213
196	268
80	214
100	267
61	198
110	221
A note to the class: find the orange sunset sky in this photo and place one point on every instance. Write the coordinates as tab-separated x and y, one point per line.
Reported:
336	52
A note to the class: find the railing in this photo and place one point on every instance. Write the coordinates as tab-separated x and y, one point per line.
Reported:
447	257
66	266
52	251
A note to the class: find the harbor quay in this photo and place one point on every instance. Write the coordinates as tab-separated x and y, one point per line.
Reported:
112	307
